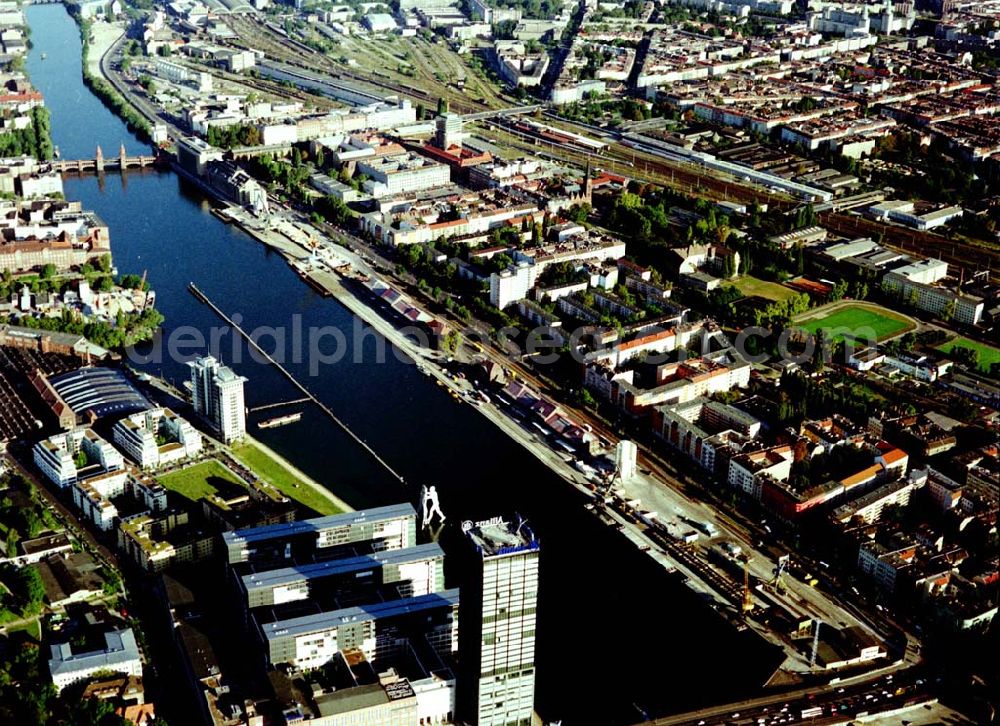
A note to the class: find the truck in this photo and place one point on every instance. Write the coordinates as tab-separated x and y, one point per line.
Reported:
707	527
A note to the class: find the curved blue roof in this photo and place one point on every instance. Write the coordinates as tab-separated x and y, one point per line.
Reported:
101	391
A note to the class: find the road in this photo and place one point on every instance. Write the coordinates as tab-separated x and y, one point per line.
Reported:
830	703
664	489
664	478
142	105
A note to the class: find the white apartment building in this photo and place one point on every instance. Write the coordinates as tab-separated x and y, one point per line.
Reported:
968	309
120	655
140	436
883	564
376	629
76	456
869	507
149	491
218	396
93	497
41	184
747	471
389	175
512	284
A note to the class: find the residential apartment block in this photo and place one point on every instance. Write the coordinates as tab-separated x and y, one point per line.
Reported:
218	396
156	438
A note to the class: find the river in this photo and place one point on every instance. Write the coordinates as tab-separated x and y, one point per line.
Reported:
615	633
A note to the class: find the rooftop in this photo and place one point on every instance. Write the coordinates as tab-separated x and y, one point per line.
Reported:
496	537
352	615
100	391
120	648
319	524
286	575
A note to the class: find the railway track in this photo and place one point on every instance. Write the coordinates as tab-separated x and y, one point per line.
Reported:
969	257
258	36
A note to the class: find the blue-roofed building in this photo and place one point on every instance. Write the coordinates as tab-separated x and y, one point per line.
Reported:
93	393
352	617
120	655
413	571
377	629
385	528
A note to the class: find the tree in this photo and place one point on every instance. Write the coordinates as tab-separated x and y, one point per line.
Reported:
29	589
94	712
819	355
332	209
452	339
728	266
839	290
578	213
12	540
969	357
948	312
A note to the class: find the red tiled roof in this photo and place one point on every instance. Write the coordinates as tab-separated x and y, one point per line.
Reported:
662	335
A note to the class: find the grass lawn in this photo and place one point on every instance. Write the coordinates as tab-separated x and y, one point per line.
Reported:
32	628
751	286
281	478
200	480
988	355
849	317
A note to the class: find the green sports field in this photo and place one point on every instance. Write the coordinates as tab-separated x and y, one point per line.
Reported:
752	286
988	355
849	320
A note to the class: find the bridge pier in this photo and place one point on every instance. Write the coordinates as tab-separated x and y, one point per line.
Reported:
100	164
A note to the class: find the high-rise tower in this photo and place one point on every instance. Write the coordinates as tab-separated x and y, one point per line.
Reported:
217	393
497	625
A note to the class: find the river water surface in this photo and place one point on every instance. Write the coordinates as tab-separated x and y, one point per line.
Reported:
616	636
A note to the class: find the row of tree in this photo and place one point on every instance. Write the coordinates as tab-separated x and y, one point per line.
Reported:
34	139
230	137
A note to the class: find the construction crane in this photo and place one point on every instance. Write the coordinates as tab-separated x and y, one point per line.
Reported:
747	604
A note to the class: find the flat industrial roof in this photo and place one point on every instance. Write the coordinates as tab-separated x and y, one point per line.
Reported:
272	531
335	618
286	575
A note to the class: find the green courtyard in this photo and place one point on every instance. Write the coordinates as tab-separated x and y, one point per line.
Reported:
201	480
855	320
